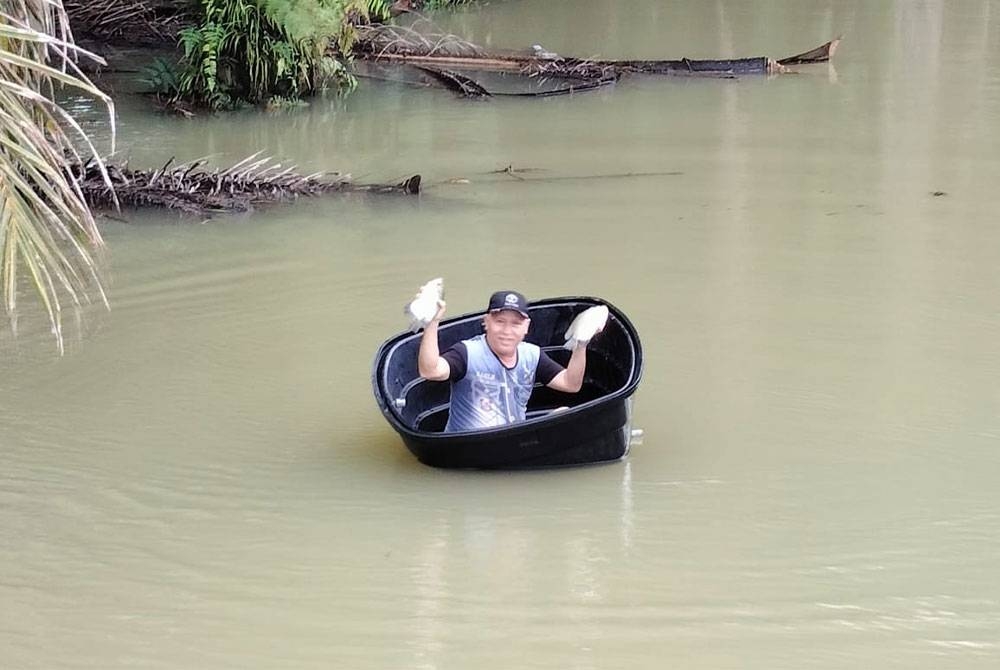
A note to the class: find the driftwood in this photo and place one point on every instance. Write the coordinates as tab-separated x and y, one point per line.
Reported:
820	54
195	189
737	66
405	45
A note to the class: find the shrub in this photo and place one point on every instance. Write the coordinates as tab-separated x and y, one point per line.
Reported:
252	51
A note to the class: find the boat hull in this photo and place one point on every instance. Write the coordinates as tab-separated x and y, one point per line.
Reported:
598	435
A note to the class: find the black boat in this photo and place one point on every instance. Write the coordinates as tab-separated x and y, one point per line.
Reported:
593	427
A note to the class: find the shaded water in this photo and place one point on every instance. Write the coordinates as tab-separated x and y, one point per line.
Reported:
204	480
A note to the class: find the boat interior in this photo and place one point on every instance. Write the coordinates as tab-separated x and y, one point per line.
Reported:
613	363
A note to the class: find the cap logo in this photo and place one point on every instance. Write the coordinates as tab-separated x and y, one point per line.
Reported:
510	299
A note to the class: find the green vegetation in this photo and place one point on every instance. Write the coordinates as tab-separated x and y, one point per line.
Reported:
275	52
47	233
264	51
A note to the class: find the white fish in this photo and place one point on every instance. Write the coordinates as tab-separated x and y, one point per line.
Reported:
424	305
586	324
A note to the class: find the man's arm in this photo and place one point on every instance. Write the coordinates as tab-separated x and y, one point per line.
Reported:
570	380
430	365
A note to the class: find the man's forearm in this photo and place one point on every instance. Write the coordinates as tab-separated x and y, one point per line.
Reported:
429	357
577	367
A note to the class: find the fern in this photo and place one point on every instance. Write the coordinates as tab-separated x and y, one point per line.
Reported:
258	50
160	77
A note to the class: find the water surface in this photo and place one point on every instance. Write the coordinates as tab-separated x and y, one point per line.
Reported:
204	479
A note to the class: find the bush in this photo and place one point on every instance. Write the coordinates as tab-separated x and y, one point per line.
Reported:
252	51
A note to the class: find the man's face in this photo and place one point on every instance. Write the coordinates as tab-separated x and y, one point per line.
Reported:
505	330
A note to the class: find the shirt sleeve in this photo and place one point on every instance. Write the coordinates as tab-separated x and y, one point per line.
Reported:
458	361
547	369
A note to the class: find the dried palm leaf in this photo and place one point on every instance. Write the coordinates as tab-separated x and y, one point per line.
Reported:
47	232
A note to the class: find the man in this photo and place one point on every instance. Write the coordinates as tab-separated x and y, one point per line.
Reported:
492	374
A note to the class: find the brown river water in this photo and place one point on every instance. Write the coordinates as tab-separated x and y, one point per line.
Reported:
204	480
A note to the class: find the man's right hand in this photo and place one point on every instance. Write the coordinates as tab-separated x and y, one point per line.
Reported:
440	311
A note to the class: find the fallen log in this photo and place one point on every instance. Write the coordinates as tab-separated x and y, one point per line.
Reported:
193	188
404	45
734	66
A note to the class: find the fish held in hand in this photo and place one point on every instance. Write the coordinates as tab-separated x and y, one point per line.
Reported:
586	324
424	306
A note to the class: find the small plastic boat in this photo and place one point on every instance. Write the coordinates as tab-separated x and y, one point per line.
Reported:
592	426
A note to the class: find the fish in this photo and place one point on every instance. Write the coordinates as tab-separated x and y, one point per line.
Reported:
424	306
586	324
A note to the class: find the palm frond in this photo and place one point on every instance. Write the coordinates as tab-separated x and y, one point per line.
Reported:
48	235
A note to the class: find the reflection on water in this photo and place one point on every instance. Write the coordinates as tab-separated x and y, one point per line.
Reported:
205	481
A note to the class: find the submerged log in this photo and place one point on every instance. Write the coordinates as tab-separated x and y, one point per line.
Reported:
470	88
458	83
195	189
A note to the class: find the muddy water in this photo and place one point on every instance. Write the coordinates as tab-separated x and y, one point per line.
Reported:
204	481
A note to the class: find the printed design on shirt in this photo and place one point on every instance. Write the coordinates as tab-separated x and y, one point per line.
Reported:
487	399
522	387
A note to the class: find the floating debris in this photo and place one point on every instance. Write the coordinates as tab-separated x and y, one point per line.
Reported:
196	189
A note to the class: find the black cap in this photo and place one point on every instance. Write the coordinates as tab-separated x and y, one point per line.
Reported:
508	300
